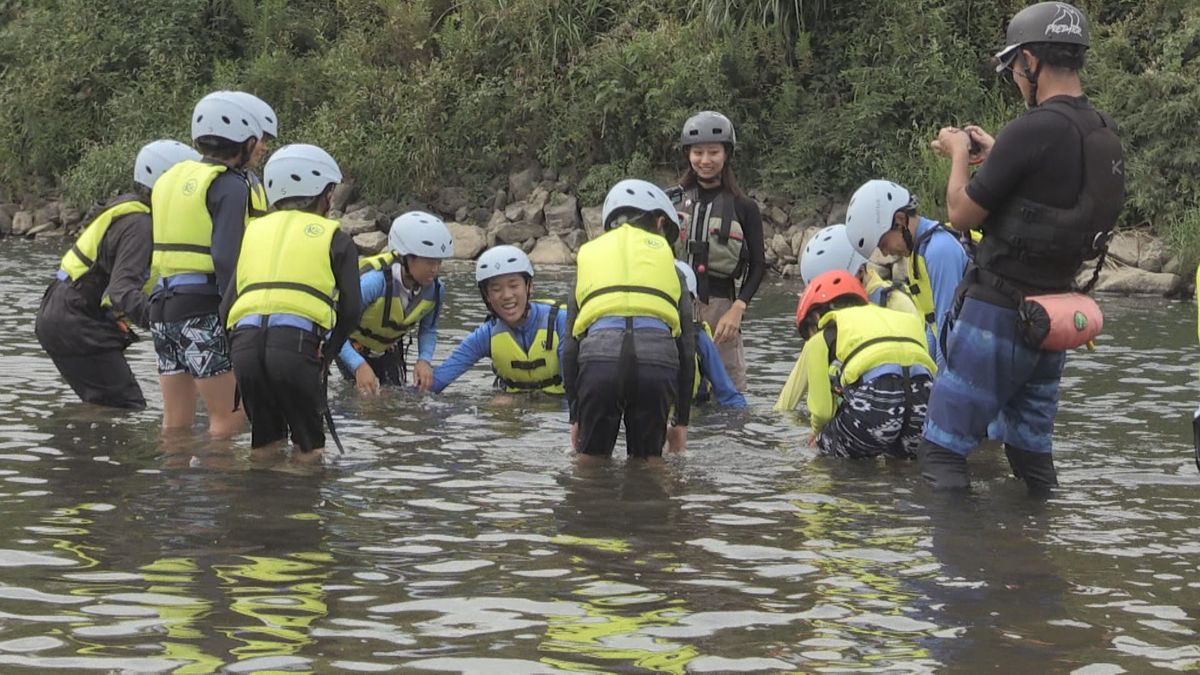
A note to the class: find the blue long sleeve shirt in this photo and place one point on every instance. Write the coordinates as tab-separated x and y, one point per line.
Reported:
712	370
946	262
372	285
478	344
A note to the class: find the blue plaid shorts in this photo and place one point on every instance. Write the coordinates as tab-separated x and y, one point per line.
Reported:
993	385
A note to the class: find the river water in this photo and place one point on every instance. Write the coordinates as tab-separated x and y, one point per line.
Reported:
456	534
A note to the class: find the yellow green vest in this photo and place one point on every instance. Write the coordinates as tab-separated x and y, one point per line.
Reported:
182	224
258	197
538	368
919	286
700	326
627	272
284	268
869	336
384	321
82	256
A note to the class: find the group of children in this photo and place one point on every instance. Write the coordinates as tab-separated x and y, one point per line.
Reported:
872	347
251	293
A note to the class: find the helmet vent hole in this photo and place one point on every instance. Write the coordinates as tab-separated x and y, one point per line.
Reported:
271	183
296	178
316	173
427	242
889	196
225	120
199	119
862	242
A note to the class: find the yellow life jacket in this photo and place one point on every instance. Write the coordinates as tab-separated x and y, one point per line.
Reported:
258	196
919	286
284	268
81	257
538	368
627	272
700	326
867	337
716	225
890	294
384	321
182	223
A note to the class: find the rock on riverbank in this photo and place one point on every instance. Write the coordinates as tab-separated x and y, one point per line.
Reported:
537	210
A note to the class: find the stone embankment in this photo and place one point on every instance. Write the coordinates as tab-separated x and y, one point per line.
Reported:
537	210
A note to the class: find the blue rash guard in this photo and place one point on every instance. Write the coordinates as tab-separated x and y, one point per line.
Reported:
946	262
373	284
478	344
712	370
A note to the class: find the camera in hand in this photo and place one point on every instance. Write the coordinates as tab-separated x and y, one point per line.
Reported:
675	194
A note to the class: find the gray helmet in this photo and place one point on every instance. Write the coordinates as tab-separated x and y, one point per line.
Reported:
1055	22
707	127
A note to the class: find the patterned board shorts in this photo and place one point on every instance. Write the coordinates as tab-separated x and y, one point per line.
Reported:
197	346
883	416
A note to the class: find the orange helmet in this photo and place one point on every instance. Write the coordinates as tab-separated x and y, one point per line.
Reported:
826	288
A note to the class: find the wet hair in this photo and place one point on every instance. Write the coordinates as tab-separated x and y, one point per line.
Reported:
647	220
1057	55
225	150
728	180
808	327
305	203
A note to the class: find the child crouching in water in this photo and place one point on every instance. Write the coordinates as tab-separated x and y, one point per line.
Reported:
522	337
869	371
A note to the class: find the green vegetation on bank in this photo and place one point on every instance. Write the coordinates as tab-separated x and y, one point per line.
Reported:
414	94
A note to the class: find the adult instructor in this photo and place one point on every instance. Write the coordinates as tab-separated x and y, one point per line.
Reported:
1048	194
724	238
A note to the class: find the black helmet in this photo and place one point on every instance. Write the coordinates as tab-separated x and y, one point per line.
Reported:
1055	22
707	127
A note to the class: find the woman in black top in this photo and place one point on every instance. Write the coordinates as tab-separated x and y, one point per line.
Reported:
724	239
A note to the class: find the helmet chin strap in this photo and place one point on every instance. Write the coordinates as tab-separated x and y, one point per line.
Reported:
908	239
1031	76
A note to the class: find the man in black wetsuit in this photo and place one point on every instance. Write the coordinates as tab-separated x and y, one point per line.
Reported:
1047	195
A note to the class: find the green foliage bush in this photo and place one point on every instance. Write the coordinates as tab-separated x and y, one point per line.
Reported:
412	94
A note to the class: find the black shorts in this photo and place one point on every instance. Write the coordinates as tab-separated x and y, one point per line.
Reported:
279	376
641	395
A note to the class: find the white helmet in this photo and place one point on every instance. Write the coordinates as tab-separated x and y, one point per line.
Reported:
500	260
156	157
632	193
829	250
262	110
420	234
872	211
689	276
299	171
225	114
